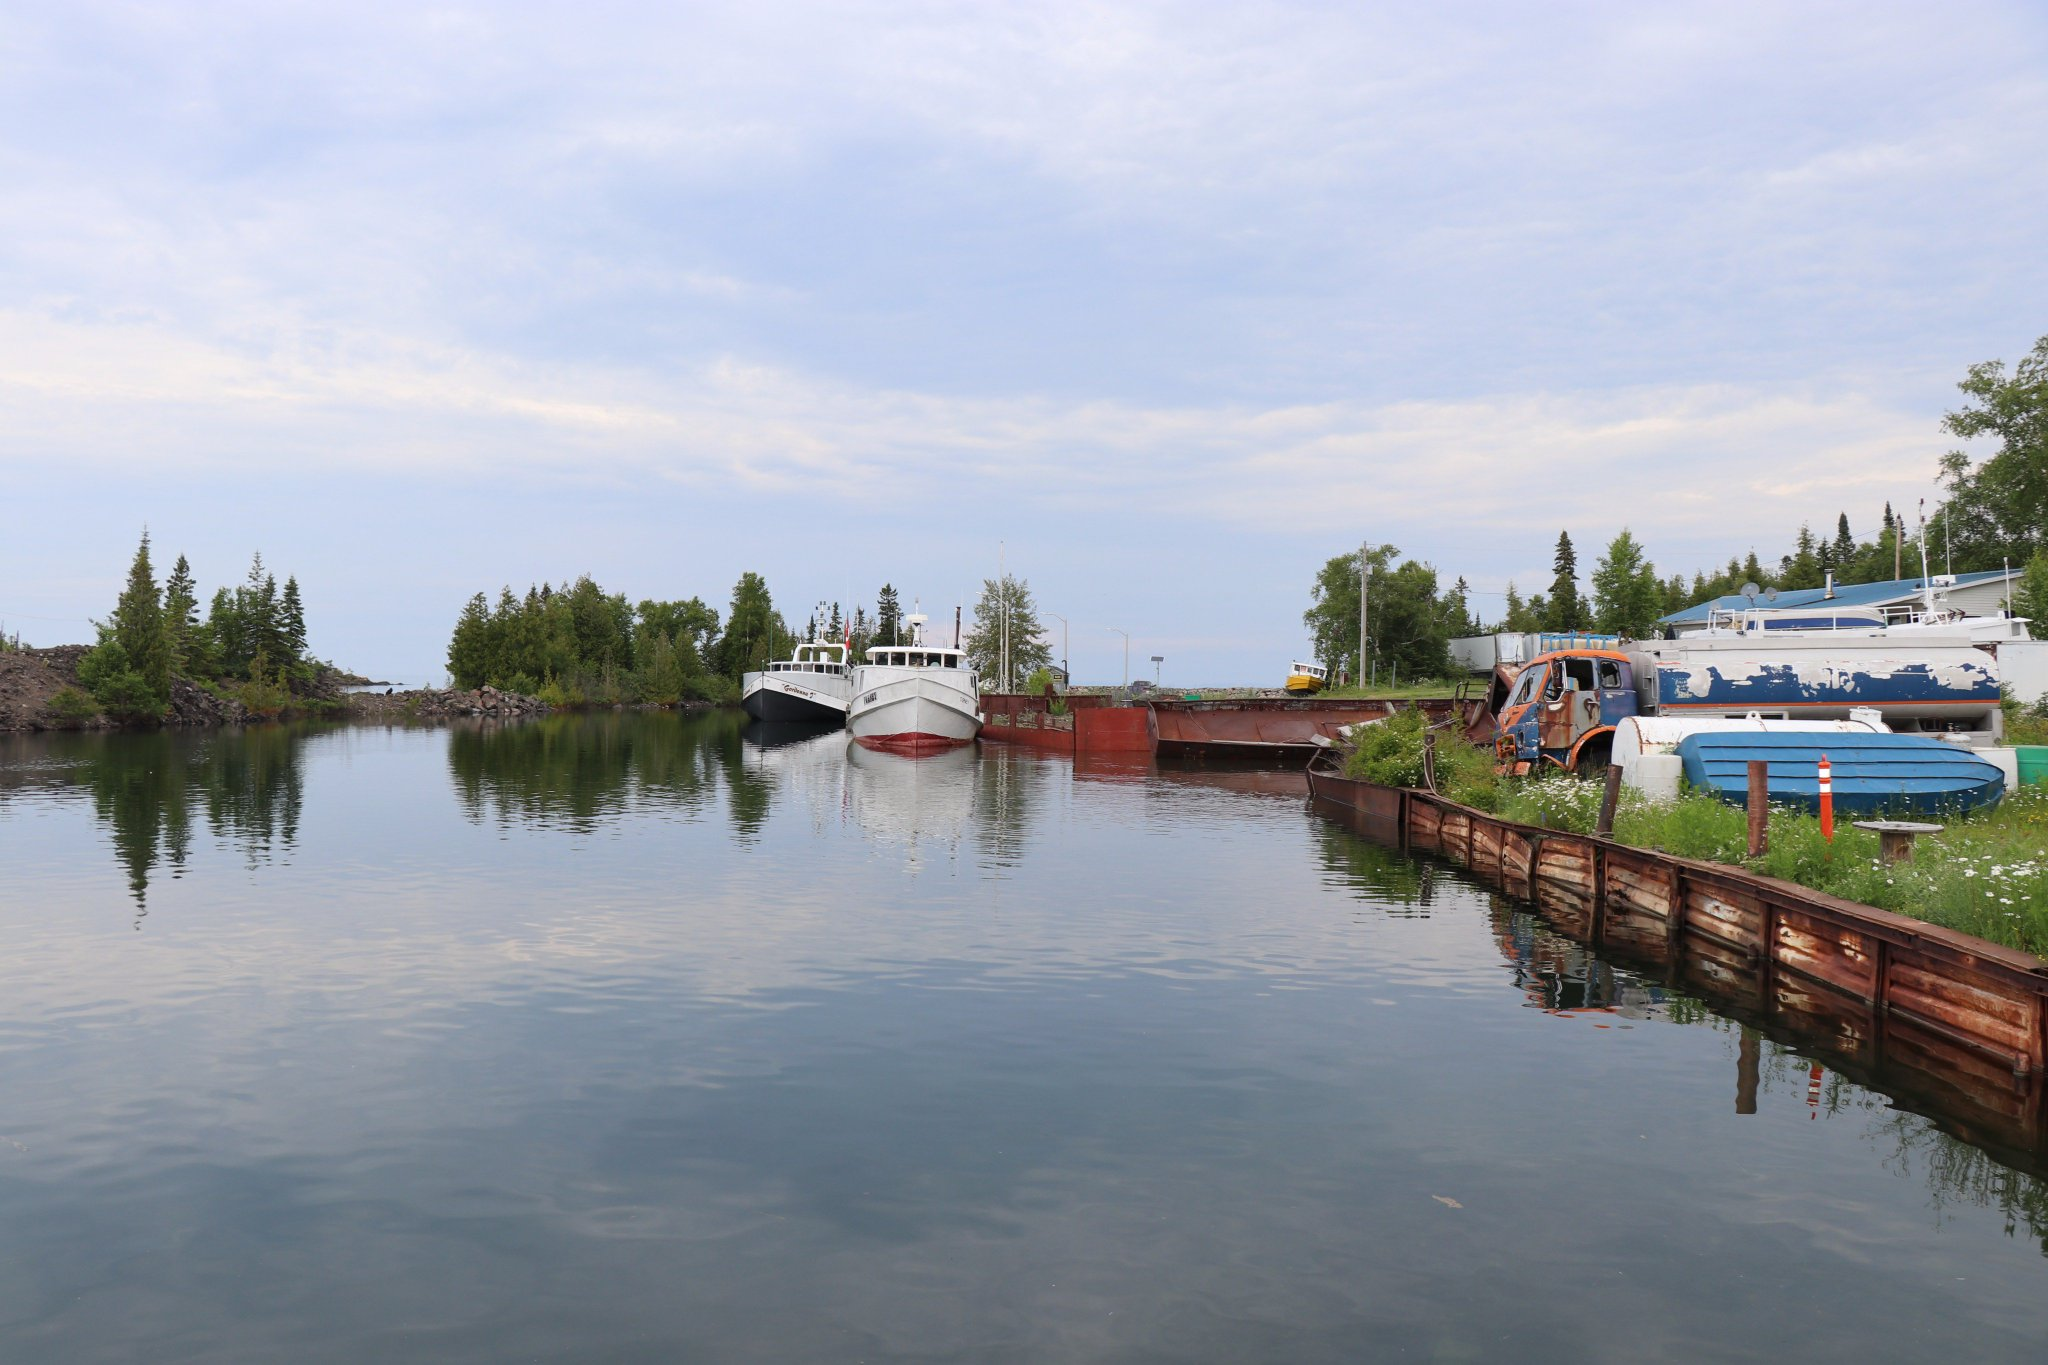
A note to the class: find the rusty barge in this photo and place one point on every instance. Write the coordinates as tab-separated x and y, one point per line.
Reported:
1242	727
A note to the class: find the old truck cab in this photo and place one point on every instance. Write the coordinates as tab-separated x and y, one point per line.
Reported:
1561	710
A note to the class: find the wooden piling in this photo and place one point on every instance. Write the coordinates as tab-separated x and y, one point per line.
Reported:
1609	799
1759	806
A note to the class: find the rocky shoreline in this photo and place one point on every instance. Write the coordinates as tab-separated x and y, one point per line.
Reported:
32	679
442	704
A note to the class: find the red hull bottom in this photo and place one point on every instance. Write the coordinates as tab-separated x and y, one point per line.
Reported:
913	743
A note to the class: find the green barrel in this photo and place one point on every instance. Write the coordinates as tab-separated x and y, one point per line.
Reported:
2033	764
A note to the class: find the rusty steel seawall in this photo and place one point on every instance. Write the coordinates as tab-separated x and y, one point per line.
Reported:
1281	724
1093	723
1867	986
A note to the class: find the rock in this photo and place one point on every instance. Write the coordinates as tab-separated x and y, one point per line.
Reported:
443	704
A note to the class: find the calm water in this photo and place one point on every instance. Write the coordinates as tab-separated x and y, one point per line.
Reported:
627	1039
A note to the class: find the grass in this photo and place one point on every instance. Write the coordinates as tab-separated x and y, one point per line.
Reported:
1986	874
1425	687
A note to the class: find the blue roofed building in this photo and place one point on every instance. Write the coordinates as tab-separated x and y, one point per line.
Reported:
1974	594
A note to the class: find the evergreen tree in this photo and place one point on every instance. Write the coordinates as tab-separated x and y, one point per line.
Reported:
1566	611
138	627
752	627
888	617
181	619
1676	597
1845	544
469	650
1802	568
1458	620
663	680
292	617
1514	611
863	632
226	637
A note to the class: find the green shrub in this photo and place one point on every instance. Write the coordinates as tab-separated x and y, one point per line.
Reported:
1389	752
562	696
70	706
265	699
117	685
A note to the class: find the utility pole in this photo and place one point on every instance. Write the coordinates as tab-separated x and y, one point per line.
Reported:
1364	577
1127	653
1003	587
1066	678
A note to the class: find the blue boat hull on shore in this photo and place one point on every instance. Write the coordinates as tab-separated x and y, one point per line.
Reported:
1873	774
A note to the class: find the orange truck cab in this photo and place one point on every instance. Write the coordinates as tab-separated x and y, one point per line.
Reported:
1560	711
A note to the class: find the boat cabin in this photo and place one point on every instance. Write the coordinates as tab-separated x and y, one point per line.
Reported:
815	657
1302	670
915	656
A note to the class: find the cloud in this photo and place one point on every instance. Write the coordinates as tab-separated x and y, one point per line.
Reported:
1662	458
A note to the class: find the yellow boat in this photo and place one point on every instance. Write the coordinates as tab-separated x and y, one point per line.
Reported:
1306	678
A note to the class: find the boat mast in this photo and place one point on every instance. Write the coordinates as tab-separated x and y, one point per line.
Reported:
1926	583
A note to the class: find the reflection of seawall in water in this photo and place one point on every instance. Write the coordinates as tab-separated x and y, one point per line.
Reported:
924	805
1986	1136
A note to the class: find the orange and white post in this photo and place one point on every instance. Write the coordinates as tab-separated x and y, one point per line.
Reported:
1827	801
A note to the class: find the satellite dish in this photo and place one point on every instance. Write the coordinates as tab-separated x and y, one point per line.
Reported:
1750	590
1770	594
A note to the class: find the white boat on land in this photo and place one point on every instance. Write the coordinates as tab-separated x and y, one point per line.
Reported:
914	698
811	687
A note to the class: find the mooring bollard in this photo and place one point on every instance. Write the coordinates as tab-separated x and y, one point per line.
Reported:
1759	807
1827	801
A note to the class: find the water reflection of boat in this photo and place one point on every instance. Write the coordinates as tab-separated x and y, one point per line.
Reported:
923	804
779	734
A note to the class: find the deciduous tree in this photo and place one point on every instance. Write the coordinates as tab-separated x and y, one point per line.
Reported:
1627	596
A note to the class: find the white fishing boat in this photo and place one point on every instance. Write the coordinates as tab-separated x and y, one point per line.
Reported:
811	687
914	698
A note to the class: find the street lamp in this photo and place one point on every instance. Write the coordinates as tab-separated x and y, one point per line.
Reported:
1127	652
1066	678
1157	659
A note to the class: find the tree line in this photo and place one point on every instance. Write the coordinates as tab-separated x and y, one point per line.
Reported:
249	645
578	645
1995	514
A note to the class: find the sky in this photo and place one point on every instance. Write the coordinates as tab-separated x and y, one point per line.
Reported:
1158	306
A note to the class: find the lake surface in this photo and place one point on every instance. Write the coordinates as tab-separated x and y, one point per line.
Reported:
625	1038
